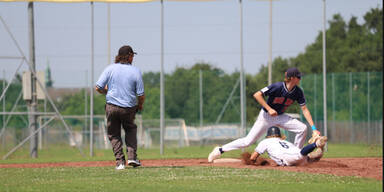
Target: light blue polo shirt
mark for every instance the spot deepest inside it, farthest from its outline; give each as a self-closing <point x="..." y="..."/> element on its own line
<point x="124" y="84"/>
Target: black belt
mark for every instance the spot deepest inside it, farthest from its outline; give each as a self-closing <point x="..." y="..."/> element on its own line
<point x="120" y="106"/>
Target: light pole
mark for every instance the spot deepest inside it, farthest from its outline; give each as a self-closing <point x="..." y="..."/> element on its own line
<point x="324" y="75"/>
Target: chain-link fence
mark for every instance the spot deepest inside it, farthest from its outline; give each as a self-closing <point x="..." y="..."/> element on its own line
<point x="177" y="133"/>
<point x="354" y="105"/>
<point x="354" y="112"/>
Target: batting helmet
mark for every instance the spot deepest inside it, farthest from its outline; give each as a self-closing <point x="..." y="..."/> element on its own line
<point x="273" y="131"/>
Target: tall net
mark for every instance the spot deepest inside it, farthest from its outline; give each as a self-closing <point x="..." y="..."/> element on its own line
<point x="354" y="105"/>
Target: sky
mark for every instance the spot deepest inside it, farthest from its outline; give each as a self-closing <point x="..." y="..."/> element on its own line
<point x="193" y="32"/>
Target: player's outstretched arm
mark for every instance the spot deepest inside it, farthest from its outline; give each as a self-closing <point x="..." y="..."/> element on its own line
<point x="253" y="159"/>
<point x="258" y="160"/>
<point x="308" y="117"/>
<point x="307" y="114"/>
<point x="254" y="156"/>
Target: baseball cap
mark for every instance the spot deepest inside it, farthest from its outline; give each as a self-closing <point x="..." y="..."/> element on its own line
<point x="293" y="72"/>
<point x="126" y="50"/>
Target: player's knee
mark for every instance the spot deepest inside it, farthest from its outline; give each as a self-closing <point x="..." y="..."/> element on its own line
<point x="303" y="129"/>
<point x="247" y="142"/>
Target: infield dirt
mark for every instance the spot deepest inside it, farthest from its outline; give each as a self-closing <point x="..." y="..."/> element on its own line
<point x="361" y="167"/>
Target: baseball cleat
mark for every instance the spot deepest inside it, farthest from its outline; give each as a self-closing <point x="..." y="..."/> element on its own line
<point x="320" y="141"/>
<point x="120" y="167"/>
<point x="134" y="163"/>
<point x="215" y="154"/>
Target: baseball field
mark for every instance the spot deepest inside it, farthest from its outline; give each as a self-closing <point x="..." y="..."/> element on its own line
<point x="344" y="167"/>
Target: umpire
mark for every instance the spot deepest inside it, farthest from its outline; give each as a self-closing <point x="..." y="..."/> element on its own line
<point x="123" y="86"/>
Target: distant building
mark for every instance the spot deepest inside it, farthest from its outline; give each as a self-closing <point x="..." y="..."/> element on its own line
<point x="48" y="78"/>
<point x="57" y="94"/>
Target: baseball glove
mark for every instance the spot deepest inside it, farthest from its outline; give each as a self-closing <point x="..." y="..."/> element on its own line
<point x="315" y="135"/>
<point x="246" y="159"/>
<point x="315" y="155"/>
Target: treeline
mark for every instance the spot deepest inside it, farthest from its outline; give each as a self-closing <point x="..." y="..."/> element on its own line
<point x="353" y="96"/>
<point x="351" y="47"/>
<point x="182" y="94"/>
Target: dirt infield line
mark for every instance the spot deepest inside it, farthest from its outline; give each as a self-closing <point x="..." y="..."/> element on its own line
<point x="361" y="167"/>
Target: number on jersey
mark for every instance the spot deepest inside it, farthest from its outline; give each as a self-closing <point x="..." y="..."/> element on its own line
<point x="283" y="144"/>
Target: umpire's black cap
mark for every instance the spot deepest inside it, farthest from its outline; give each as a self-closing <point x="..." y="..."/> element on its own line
<point x="126" y="50"/>
<point x="293" y="72"/>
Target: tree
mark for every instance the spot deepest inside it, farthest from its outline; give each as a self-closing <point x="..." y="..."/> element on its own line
<point x="351" y="47"/>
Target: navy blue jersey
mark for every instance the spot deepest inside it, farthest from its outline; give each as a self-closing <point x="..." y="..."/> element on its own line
<point x="279" y="98"/>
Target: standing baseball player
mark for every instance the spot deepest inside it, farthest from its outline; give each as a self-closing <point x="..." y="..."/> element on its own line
<point x="123" y="86"/>
<point x="284" y="153"/>
<point x="280" y="96"/>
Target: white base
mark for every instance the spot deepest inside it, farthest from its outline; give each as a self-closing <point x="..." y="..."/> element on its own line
<point x="227" y="160"/>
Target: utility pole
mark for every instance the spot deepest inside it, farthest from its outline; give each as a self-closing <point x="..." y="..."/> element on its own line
<point x="270" y="45"/>
<point x="91" y="85"/>
<point x="201" y="96"/>
<point x="162" y="111"/>
<point x="242" y="82"/>
<point x="109" y="33"/>
<point x="32" y="104"/>
<point x="324" y="74"/>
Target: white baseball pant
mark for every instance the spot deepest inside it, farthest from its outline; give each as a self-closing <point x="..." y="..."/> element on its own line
<point x="263" y="122"/>
<point x="292" y="159"/>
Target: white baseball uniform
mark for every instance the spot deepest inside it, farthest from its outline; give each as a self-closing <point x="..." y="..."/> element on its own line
<point x="283" y="152"/>
<point x="279" y="98"/>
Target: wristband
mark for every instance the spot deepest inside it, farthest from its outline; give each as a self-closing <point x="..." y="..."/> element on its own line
<point x="313" y="127"/>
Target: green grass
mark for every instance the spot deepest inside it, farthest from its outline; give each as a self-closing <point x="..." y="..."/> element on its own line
<point x="353" y="150"/>
<point x="171" y="179"/>
<point x="63" y="154"/>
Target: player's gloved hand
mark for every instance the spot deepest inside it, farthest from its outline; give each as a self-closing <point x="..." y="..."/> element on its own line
<point x="260" y="161"/>
<point x="246" y="159"/>
<point x="315" y="135"/>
